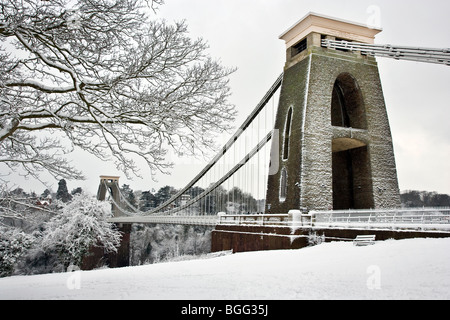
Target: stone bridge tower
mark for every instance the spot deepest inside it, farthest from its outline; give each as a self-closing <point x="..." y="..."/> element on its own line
<point x="97" y="257"/>
<point x="335" y="147"/>
<point x="110" y="184"/>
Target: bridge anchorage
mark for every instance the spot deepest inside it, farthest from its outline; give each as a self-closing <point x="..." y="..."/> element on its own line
<point x="330" y="168"/>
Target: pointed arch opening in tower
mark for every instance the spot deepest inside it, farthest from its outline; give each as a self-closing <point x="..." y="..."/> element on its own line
<point x="287" y="134"/>
<point x="347" y="103"/>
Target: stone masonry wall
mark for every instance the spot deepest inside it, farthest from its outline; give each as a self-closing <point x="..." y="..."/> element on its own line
<point x="309" y="84"/>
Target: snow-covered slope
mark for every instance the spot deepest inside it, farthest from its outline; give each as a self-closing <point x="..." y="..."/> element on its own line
<point x="403" y="269"/>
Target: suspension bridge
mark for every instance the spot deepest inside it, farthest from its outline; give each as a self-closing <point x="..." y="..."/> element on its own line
<point x="315" y="153"/>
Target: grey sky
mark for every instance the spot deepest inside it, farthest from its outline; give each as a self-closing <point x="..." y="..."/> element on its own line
<point x="244" y="34"/>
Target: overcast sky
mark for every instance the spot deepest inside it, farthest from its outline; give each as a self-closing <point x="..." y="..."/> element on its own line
<point x="244" y="34"/>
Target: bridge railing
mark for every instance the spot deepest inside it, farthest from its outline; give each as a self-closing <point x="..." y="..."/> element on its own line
<point x="255" y="219"/>
<point x="206" y="220"/>
<point x="291" y="219"/>
<point x="405" y="218"/>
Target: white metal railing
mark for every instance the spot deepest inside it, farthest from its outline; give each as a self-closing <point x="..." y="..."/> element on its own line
<point x="404" y="218"/>
<point x="187" y="220"/>
<point x="292" y="219"/>
<point x="255" y="219"/>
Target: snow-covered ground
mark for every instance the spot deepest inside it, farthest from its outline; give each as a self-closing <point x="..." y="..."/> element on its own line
<point x="393" y="269"/>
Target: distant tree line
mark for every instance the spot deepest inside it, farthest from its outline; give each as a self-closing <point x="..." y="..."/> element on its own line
<point x="414" y="198"/>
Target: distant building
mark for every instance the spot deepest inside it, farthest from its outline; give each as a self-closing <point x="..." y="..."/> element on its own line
<point x="185" y="198"/>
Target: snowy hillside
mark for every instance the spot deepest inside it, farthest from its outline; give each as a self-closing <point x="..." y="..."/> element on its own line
<point x="394" y="269"/>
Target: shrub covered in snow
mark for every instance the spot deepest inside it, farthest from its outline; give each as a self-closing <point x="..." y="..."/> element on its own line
<point x="80" y="224"/>
<point x="13" y="244"/>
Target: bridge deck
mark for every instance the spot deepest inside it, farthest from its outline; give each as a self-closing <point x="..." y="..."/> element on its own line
<point x="407" y="219"/>
<point x="187" y="220"/>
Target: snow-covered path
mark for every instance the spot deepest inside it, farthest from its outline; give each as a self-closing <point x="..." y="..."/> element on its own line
<point x="402" y="269"/>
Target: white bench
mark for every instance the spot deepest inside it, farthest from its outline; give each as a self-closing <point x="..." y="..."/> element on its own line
<point x="364" y="240"/>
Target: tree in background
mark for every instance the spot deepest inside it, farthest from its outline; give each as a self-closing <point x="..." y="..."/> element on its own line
<point x="164" y="194"/>
<point x="62" y="193"/>
<point x="128" y="193"/>
<point x="414" y="198"/>
<point x="76" y="191"/>
<point x="147" y="201"/>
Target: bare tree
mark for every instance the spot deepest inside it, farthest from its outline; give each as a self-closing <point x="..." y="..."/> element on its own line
<point x="104" y="77"/>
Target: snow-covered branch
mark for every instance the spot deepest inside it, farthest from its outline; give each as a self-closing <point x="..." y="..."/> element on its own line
<point x="39" y="86"/>
<point x="114" y="83"/>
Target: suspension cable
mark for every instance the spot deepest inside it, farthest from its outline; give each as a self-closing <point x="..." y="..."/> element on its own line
<point x="226" y="147"/>
<point x="230" y="173"/>
<point x="419" y="54"/>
